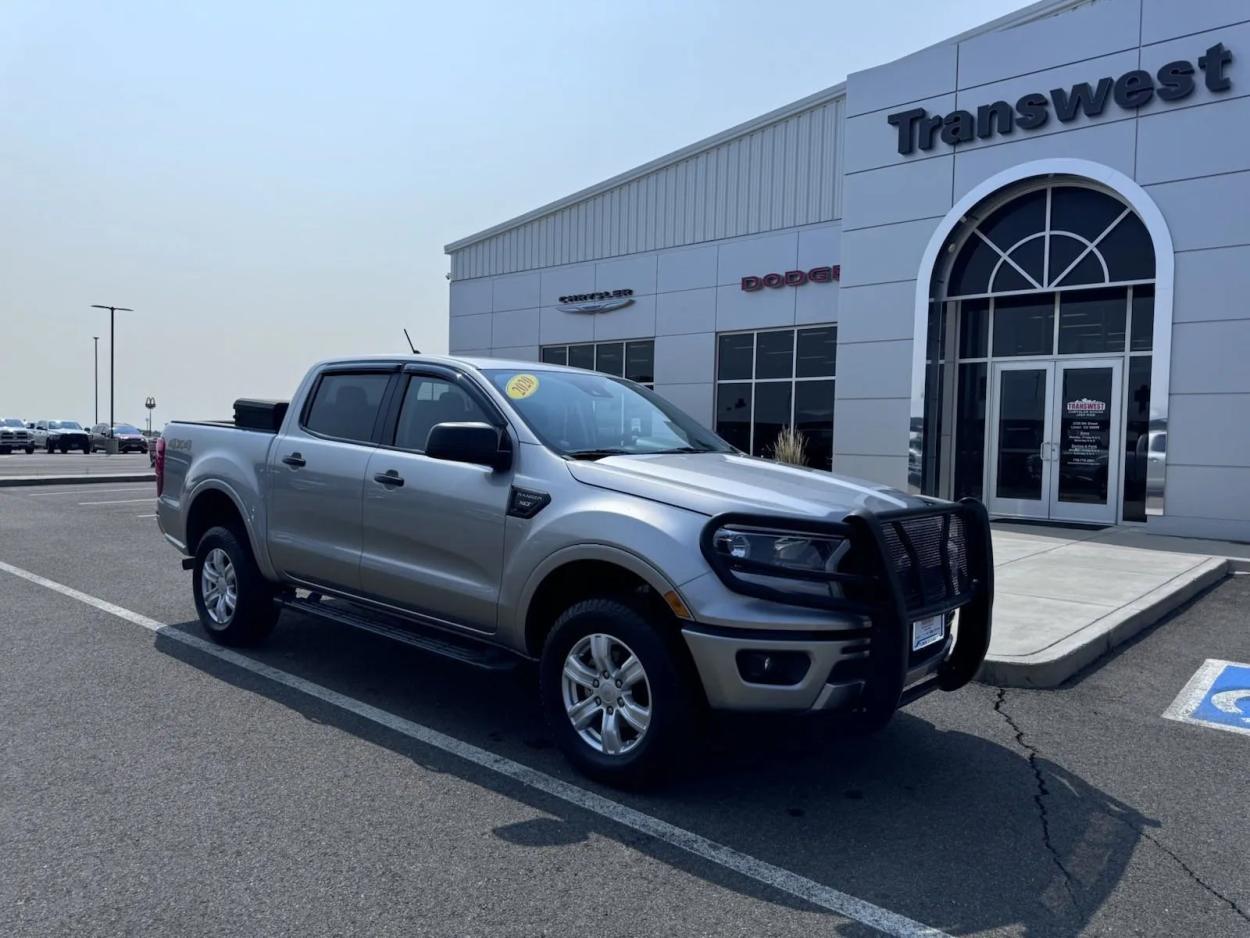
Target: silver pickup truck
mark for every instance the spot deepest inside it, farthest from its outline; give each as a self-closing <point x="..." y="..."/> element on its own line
<point x="496" y="511"/>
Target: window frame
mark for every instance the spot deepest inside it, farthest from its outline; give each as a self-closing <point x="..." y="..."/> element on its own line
<point x="793" y="380"/>
<point x="394" y="402"/>
<point x="594" y="347"/>
<point x="391" y="369"/>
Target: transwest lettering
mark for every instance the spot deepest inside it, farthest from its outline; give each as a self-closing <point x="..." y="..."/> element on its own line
<point x="918" y="129"/>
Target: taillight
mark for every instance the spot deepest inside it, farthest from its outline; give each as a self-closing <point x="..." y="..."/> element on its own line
<point x="160" y="465"/>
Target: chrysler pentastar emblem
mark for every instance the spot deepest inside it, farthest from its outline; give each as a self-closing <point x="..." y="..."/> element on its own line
<point x="596" y="306"/>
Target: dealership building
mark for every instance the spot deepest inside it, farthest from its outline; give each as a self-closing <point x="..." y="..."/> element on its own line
<point x="1014" y="265"/>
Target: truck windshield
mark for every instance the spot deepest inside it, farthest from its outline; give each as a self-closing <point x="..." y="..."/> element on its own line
<point x="65" y="424"/>
<point x="584" y="415"/>
<point x="13" y="422"/>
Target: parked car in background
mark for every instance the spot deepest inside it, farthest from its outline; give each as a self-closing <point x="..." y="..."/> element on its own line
<point x="14" y="435"/>
<point x="129" y="438"/>
<point x="152" y="438"/>
<point x="63" y="435"/>
<point x="494" y="511"/>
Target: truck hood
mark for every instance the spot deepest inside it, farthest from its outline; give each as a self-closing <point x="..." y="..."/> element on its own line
<point x="713" y="483"/>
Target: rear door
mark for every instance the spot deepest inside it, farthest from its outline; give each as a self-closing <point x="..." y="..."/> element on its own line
<point x="317" y="472"/>
<point x="434" y="529"/>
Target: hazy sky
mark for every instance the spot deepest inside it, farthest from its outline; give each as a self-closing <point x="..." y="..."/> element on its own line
<point x="268" y="183"/>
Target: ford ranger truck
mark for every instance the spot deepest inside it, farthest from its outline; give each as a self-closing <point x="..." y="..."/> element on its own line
<point x="497" y="511"/>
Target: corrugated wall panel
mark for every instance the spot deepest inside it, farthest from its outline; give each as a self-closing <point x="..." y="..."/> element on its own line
<point x="776" y="176"/>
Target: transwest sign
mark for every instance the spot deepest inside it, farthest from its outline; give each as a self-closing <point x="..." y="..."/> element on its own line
<point x="1173" y="82"/>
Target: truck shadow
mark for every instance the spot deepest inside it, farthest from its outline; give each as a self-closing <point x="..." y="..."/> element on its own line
<point x="957" y="828"/>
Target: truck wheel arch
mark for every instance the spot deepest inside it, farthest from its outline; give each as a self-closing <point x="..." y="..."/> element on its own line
<point x="578" y="573"/>
<point x="214" y="507"/>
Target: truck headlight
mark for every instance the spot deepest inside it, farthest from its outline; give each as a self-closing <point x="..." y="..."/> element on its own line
<point x="757" y="549"/>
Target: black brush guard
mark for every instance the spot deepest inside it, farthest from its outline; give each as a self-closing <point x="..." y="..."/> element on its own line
<point x="903" y="565"/>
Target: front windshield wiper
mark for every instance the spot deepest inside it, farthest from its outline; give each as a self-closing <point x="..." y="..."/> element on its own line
<point x="595" y="453"/>
<point x="601" y="453"/>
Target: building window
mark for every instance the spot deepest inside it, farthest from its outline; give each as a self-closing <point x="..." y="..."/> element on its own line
<point x="769" y="380"/>
<point x="634" y="359"/>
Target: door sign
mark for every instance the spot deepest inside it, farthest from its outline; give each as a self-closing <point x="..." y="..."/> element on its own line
<point x="1218" y="696"/>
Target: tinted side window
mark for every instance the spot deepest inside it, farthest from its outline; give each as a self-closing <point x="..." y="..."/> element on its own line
<point x="429" y="401"/>
<point x="345" y="406"/>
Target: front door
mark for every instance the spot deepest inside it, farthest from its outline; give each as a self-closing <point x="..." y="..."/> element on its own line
<point x="433" y="530"/>
<point x="1054" y="440"/>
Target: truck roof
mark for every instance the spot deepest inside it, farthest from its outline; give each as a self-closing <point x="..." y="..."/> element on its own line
<point x="474" y="362"/>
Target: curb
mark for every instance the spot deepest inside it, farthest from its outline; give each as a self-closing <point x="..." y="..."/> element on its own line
<point x="1054" y="665"/>
<point x="15" y="481"/>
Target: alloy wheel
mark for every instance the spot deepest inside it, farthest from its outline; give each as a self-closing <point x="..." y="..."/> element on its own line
<point x="606" y="694"/>
<point x="219" y="586"/>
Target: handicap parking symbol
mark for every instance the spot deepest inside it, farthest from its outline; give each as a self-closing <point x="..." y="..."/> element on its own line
<point x="1218" y="696"/>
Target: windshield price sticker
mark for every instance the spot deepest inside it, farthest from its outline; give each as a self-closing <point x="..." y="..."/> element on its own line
<point x="519" y="387"/>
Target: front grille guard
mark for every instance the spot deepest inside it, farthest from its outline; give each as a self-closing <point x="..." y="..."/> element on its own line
<point x="873" y="586"/>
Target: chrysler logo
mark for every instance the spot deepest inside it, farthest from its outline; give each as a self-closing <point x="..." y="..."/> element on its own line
<point x="601" y="302"/>
<point x="595" y="306"/>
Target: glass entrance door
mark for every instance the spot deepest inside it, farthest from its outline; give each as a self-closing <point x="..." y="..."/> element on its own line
<point x="1085" y="482"/>
<point x="1054" y="440"/>
<point x="1019" y="431"/>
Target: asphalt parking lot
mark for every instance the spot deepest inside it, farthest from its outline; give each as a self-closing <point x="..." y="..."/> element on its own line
<point x="152" y="786"/>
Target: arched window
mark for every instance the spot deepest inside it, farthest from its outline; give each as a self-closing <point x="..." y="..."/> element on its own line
<point x="1059" y="236"/>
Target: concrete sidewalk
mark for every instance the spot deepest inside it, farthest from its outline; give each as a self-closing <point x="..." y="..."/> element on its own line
<point x="42" y="468"/>
<point x="1064" y="597"/>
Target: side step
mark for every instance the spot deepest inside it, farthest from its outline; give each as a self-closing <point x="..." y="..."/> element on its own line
<point x="466" y="650"/>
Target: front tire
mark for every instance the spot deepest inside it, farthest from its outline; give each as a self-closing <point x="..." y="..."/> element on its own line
<point x="619" y="704"/>
<point x="233" y="598"/>
<point x="30" y="451"/>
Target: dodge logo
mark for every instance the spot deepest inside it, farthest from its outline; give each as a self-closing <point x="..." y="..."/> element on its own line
<point x="793" y="278"/>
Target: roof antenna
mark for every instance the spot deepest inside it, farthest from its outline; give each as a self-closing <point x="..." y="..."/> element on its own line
<point x="415" y="351"/>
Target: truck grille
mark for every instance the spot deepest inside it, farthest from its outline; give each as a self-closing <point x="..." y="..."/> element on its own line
<point x="929" y="554"/>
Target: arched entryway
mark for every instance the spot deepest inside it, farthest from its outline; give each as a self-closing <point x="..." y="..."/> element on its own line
<point x="1039" y="356"/>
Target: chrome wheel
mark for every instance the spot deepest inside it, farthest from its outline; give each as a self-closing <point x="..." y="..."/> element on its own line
<point x="219" y="586"/>
<point x="606" y="694"/>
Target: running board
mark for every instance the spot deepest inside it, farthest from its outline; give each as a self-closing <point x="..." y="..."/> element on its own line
<point x="466" y="650"/>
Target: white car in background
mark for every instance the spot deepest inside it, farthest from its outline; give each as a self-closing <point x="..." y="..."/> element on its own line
<point x="14" y="435"/>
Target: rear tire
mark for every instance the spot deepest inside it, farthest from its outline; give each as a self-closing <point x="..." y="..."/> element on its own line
<point x="663" y="699"/>
<point x="233" y="598"/>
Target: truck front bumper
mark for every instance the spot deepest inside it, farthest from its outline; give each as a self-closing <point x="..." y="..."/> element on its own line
<point x="834" y="677"/>
<point x="854" y="650"/>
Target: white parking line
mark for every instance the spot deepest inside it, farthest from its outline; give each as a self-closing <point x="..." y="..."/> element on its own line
<point x="743" y="864"/>
<point x="145" y="516"/>
<point x="122" y="501"/>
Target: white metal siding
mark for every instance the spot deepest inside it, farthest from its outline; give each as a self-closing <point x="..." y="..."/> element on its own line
<point x="777" y="176"/>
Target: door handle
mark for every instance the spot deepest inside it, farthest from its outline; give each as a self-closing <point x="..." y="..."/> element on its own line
<point x="295" y="459"/>
<point x="390" y="477"/>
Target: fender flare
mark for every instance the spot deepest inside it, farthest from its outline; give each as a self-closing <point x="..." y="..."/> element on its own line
<point x="588" y="551"/>
<point x="216" y="485"/>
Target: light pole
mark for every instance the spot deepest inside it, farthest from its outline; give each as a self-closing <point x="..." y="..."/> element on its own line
<point x="113" y="311"/>
<point x="96" y="340"/>
<point x="150" y="404"/>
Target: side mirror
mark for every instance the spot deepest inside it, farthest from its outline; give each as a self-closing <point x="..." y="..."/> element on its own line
<point x="478" y="443"/>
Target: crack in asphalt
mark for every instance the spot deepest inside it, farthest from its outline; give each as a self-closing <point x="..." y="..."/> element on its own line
<point x="1043" y="816"/>
<point x="1039" y="797"/>
<point x="1189" y="871"/>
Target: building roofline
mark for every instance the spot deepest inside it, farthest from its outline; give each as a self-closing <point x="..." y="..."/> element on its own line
<point x="755" y="123"/>
<point x="1033" y="11"/>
